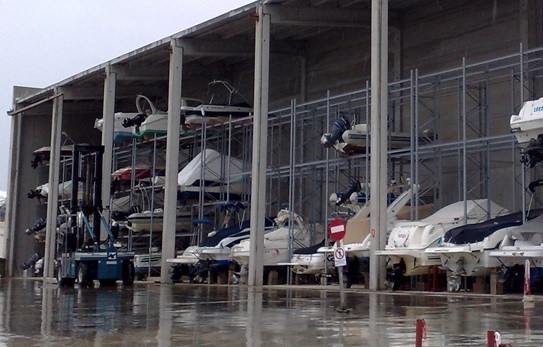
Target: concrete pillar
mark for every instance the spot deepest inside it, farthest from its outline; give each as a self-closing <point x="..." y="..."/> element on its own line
<point x="260" y="135"/>
<point x="172" y="159"/>
<point x="13" y="179"/>
<point x="108" y="115"/>
<point x="52" y="199"/>
<point x="378" y="138"/>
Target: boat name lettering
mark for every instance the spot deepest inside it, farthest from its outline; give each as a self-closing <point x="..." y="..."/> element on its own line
<point x="538" y="108"/>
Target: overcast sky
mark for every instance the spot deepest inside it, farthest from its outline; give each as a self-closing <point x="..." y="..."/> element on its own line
<point x="46" y="41"/>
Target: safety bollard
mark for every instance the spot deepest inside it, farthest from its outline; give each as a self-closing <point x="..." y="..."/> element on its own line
<point x="421" y="332"/>
<point x="490" y="339"/>
<point x="494" y="339"/>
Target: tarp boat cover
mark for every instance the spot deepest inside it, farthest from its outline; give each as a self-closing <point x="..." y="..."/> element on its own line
<point x="472" y="233"/>
<point x="219" y="169"/>
<point x="310" y="249"/>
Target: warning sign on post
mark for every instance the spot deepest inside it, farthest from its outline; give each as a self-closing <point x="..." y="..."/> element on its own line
<point x="339" y="257"/>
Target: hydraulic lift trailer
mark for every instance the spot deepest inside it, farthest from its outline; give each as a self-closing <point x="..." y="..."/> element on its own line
<point x="86" y="262"/>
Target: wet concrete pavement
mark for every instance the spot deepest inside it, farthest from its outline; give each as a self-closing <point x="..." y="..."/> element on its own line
<point x="38" y="314"/>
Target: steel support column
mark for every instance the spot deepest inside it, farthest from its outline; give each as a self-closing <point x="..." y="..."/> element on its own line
<point x="378" y="138"/>
<point x="172" y="158"/>
<point x="52" y="199"/>
<point x="260" y="144"/>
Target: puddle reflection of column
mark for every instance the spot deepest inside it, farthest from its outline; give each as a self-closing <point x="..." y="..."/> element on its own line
<point x="164" y="334"/>
<point x="373" y="336"/>
<point x="5" y="307"/>
<point x="254" y="317"/>
<point x="46" y="309"/>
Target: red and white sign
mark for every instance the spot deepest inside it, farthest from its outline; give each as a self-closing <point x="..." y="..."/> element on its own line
<point x="339" y="257"/>
<point x="337" y="229"/>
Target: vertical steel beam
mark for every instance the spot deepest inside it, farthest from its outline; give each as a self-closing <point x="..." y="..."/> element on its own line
<point x="107" y="133"/>
<point x="260" y="136"/>
<point x="172" y="158"/>
<point x="378" y="134"/>
<point x="52" y="199"/>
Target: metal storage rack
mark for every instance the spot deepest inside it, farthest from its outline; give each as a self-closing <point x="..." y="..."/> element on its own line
<point x="454" y="111"/>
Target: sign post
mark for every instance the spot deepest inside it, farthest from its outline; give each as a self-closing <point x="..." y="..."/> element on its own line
<point x="336" y="230"/>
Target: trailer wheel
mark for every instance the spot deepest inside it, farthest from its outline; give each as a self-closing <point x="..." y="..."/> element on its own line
<point x="82" y="275"/>
<point x="63" y="281"/>
<point x="128" y="273"/>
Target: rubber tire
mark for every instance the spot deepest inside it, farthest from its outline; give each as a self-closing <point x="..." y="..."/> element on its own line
<point x="128" y="273"/>
<point x="82" y="275"/>
<point x="63" y="282"/>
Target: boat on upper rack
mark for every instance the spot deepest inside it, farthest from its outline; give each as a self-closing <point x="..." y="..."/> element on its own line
<point x="291" y="233"/>
<point x="41" y="192"/>
<point x="151" y="121"/>
<point x="465" y="250"/>
<point x="350" y="139"/>
<point x="216" y="112"/>
<point x="42" y="155"/>
<point x="408" y="241"/>
<point x="120" y="133"/>
<point x="222" y="177"/>
<point x="528" y="129"/>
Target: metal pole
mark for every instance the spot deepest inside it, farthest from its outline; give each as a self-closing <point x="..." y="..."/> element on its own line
<point x="172" y="159"/>
<point x="292" y="180"/>
<point x="327" y="189"/>
<point x="464" y="144"/>
<point x="378" y="133"/>
<point x="260" y="144"/>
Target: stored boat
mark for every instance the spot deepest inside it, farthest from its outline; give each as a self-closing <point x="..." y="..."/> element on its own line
<point x="212" y="254"/>
<point x="521" y="243"/>
<point x="292" y="232"/>
<point x="42" y="192"/>
<point x="528" y="124"/>
<point x="357" y="238"/>
<point x="120" y="133"/>
<point x="351" y="139"/>
<point x="408" y="241"/>
<point x="153" y="221"/>
<point x="233" y="223"/>
<point x="466" y="249"/>
<point x="528" y="129"/>
<point x="42" y="155"/>
<point x="215" y="112"/>
<point x="212" y="174"/>
<point x="151" y="120"/>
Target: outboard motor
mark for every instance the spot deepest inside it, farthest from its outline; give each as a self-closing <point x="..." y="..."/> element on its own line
<point x="340" y="126"/>
<point x="38" y="225"/>
<point x="533" y="153"/>
<point x="353" y="188"/>
<point x="31" y="261"/>
<point x="135" y="122"/>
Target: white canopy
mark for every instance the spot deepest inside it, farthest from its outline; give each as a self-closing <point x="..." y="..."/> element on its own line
<point x="217" y="167"/>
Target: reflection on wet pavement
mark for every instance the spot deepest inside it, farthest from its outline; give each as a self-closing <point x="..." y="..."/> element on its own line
<point x="38" y="314"/>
